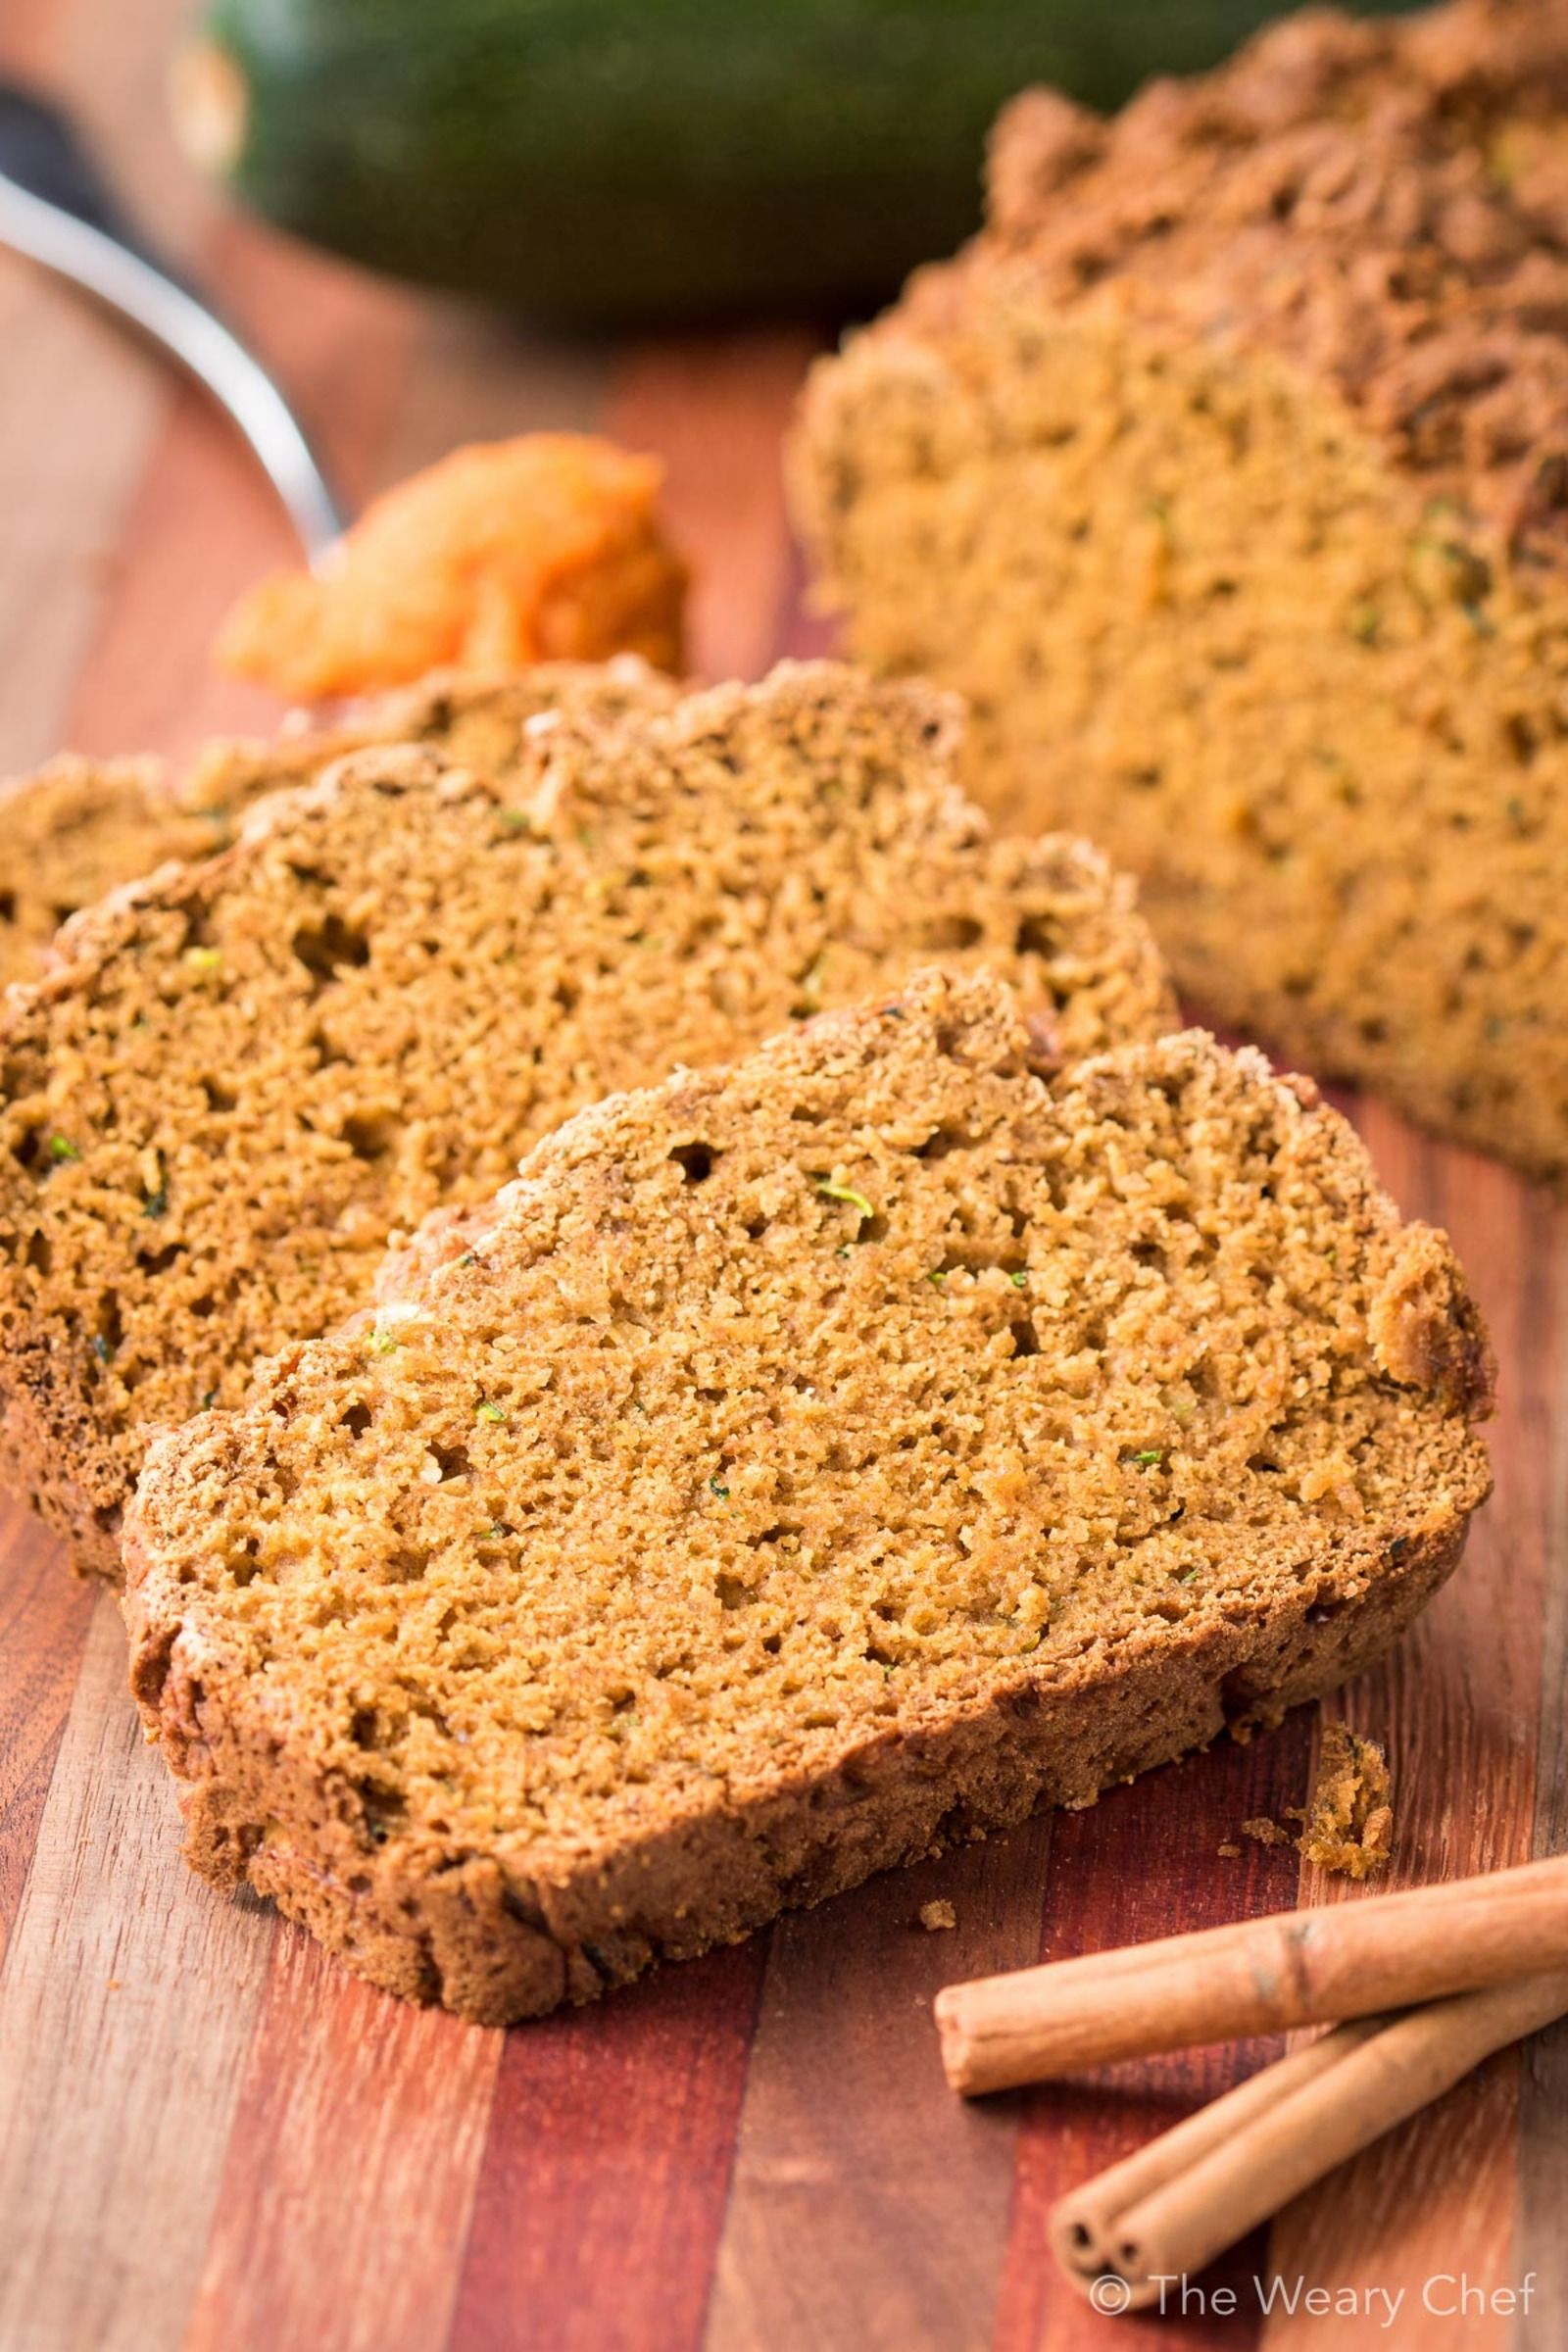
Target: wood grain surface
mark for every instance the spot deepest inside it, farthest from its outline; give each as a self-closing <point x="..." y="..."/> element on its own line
<point x="212" y="2138"/>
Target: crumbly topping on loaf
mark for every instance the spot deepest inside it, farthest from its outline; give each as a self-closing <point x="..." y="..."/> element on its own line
<point x="1384" y="201"/>
<point x="778" y="1414"/>
<point x="245" y="1075"/>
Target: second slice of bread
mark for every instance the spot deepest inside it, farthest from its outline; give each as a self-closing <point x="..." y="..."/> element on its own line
<point x="243" y="1076"/>
<point x="802" y="1465"/>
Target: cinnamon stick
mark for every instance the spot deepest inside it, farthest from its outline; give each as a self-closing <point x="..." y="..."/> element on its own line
<point x="1166" y="2212"/>
<point x="1084" y="2235"/>
<point x="1298" y="1968"/>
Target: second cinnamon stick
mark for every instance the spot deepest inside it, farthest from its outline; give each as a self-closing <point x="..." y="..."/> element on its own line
<point x="1298" y="1968"/>
<point x="1167" y="2211"/>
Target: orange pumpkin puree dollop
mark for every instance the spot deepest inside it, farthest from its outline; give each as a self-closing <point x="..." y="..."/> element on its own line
<point x="545" y="548"/>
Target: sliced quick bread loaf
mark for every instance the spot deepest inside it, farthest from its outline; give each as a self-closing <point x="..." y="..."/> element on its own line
<point x="245" y="1075"/>
<point x="1227" y="472"/>
<point x="803" y="1464"/>
<point x="78" y="828"/>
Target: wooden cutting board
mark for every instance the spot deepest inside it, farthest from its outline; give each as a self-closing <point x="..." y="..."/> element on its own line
<point x="209" y="2137"/>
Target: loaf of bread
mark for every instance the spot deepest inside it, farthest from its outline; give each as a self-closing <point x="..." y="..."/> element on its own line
<point x="1227" y="473"/>
<point x="78" y="828"/>
<point x="803" y="1465"/>
<point x="241" y="1077"/>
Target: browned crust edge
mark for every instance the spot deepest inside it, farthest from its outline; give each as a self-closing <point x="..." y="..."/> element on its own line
<point x="453" y="1929"/>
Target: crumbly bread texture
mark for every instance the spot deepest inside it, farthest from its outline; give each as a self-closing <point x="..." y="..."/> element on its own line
<point x="78" y="828"/>
<point x="74" y="830"/>
<point x="244" y="1076"/>
<point x="1227" y="473"/>
<point x="805" y="1466"/>
<point x="1349" y="1826"/>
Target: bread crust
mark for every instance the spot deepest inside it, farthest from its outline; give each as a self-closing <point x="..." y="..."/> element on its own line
<point x="457" y="1933"/>
<point x="1333" y="195"/>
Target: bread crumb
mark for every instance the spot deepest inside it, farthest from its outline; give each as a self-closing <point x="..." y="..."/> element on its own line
<point x="936" y="1915"/>
<point x="1349" y="1823"/>
<point x="1230" y="1849"/>
<point x="1266" y="1832"/>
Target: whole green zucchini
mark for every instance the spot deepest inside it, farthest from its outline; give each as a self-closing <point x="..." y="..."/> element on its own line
<point x="602" y="161"/>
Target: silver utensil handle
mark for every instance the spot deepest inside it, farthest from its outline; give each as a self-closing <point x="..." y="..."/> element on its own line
<point x="140" y="292"/>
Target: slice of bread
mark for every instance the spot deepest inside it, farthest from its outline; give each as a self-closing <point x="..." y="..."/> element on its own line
<point x="78" y="828"/>
<point x="244" y="1076"/>
<point x="803" y="1465"/>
